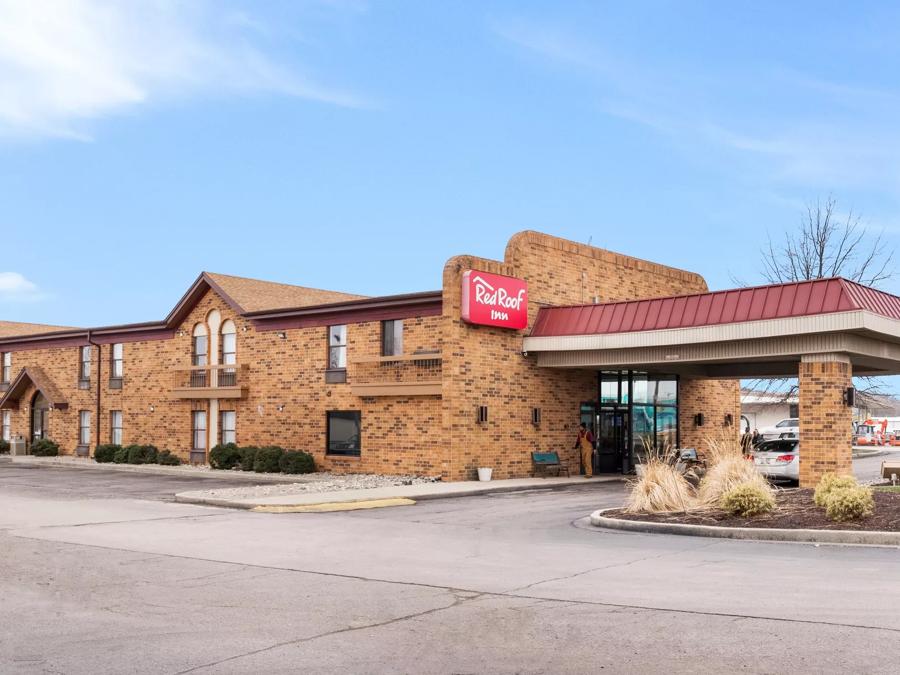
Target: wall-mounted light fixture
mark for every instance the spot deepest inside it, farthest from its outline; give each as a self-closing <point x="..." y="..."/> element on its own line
<point x="180" y="333"/>
<point x="482" y="414"/>
<point x="729" y="419"/>
<point x="152" y="409"/>
<point x="850" y="397"/>
<point x="536" y="416"/>
<point x="280" y="408"/>
<point x="698" y="420"/>
<point x="282" y="335"/>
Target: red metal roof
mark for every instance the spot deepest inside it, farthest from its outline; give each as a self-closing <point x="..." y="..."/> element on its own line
<point x="776" y="301"/>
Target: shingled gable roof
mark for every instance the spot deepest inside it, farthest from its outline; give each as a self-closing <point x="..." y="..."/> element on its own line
<point x="32" y="375"/>
<point x="17" y="328"/>
<point x="774" y="301"/>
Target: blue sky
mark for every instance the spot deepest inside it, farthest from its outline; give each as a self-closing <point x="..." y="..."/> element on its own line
<point x="357" y="145"/>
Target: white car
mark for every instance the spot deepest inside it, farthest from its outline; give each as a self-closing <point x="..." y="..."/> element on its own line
<point x="778" y="459"/>
<point x="787" y="428"/>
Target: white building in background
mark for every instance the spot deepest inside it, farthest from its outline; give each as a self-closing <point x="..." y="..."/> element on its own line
<point x="760" y="409"/>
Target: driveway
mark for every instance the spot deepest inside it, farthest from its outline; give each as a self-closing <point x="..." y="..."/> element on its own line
<point x="513" y="582"/>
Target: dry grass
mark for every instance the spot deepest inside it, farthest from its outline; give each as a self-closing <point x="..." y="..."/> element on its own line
<point x="727" y="469"/>
<point x="661" y="488"/>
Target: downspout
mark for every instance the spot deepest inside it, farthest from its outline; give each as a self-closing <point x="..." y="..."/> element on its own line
<point x="99" y="389"/>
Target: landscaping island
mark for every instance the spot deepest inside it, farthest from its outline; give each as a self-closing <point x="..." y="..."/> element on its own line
<point x="794" y="509"/>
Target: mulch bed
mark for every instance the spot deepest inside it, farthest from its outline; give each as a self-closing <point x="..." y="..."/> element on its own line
<point x="794" y="510"/>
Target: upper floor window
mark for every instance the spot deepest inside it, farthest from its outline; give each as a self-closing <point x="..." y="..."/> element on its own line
<point x="117" y="365"/>
<point x="392" y="337"/>
<point x="84" y="364"/>
<point x="200" y="346"/>
<point x="6" y="367"/>
<point x="337" y="347"/>
<point x="229" y="343"/>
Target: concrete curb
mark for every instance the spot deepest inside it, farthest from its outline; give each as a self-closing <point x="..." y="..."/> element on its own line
<point x="862" y="454"/>
<point x="853" y="537"/>
<point x="335" y="497"/>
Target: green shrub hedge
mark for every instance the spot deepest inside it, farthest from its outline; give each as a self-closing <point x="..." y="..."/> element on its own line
<point x="120" y="456"/>
<point x="142" y="454"/>
<point x="248" y="457"/>
<point x="44" y="448"/>
<point x="747" y="499"/>
<point x="225" y="456"/>
<point x="166" y="458"/>
<point x="105" y="453"/>
<point x="268" y="459"/>
<point x="297" y="461"/>
<point x="4" y="447"/>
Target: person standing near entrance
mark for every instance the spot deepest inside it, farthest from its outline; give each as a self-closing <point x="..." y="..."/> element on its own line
<point x="585" y="443"/>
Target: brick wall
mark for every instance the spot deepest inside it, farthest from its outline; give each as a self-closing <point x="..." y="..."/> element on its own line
<point x="825" y="421"/>
<point x="715" y="399"/>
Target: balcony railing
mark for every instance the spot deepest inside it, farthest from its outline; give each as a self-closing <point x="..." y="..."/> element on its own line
<point x="408" y="375"/>
<point x="219" y="381"/>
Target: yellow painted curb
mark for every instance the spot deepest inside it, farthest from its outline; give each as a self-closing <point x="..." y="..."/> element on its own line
<point x="335" y="506"/>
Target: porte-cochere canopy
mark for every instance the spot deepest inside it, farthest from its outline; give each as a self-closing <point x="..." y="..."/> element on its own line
<point x="748" y="332"/>
<point x="41" y="381"/>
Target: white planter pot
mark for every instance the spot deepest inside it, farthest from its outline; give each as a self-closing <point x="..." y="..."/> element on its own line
<point x="484" y="474"/>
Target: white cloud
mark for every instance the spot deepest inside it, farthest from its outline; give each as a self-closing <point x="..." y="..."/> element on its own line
<point x="63" y="62"/>
<point x="16" y="288"/>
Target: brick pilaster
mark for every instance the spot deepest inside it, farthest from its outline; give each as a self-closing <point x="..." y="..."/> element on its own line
<point x="825" y="421"/>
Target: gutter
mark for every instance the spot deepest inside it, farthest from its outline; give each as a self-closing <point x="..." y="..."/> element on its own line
<point x="99" y="389"/>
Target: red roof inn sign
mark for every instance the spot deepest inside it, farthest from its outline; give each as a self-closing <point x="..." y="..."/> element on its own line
<point x="494" y="300"/>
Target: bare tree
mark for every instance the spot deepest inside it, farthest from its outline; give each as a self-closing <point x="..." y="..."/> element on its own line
<point x="826" y="244"/>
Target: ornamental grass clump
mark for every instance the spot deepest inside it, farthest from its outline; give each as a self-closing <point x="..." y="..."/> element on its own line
<point x="728" y="469"/>
<point x="660" y="487"/>
<point x="830" y="482"/>
<point x="849" y="503"/>
<point x="747" y="499"/>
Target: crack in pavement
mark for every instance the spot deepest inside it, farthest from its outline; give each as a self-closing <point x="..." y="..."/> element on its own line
<point x="498" y="594"/>
<point x="459" y="598"/>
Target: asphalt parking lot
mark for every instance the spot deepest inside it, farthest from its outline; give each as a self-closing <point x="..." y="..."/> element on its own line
<point x="104" y="575"/>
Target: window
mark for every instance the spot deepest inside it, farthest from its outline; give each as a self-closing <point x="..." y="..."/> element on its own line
<point x="200" y="346"/>
<point x="228" y="347"/>
<point x="115" y="427"/>
<point x="228" y="420"/>
<point x="5" y="426"/>
<point x="198" y="429"/>
<point x="84" y="367"/>
<point x="794" y="410"/>
<point x="337" y="347"/>
<point x="117" y="365"/>
<point x="344" y="432"/>
<point x="6" y="368"/>
<point x="392" y="337"/>
<point x="84" y="427"/>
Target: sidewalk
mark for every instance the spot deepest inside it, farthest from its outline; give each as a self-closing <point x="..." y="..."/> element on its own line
<point x="384" y="496"/>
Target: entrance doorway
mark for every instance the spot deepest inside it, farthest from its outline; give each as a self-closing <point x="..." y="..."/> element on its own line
<point x="612" y="440"/>
<point x="40" y="413"/>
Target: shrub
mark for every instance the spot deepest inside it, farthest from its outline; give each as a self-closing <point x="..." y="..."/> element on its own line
<point x="225" y="456"/>
<point x="105" y="453"/>
<point x="142" y="454"/>
<point x="248" y="457"/>
<point x="268" y="459"/>
<point x="726" y="474"/>
<point x="849" y="503"/>
<point x="44" y="448"/>
<point x="4" y="447"/>
<point x="660" y="488"/>
<point x="747" y="499"/>
<point x="166" y="458"/>
<point x="297" y="461"/>
<point x="120" y="456"/>
<point x="828" y="483"/>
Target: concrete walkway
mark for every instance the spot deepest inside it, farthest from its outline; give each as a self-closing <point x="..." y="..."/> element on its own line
<point x="302" y="502"/>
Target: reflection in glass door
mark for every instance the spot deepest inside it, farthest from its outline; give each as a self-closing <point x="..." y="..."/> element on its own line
<point x="612" y="440"/>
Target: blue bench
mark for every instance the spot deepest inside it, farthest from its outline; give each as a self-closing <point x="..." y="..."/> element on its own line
<point x="547" y="460"/>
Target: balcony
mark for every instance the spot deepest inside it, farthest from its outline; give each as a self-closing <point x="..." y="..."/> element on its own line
<point x="221" y="381"/>
<point x="411" y="375"/>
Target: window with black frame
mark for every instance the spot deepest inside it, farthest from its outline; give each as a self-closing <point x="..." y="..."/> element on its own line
<point x="343" y="432"/>
<point x="392" y="337"/>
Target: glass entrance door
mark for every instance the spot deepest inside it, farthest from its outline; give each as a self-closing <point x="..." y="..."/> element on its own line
<point x="39" y="411"/>
<point x="612" y="440"/>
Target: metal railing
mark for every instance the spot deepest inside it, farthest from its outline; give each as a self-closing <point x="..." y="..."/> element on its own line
<point x="407" y="369"/>
<point x="211" y="377"/>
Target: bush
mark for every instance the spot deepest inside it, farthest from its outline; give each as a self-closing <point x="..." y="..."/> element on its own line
<point x="297" y="461"/>
<point x="105" y="453"/>
<point x="747" y="499"/>
<point x="166" y="458"/>
<point x="225" y="456"/>
<point x="44" y="448"/>
<point x="268" y="460"/>
<point x="726" y="474"/>
<point x="660" y="488"/>
<point x="849" y="503"/>
<point x="4" y="447"/>
<point x="248" y="457"/>
<point x="142" y="454"/>
<point x="120" y="456"/>
<point x="828" y="483"/>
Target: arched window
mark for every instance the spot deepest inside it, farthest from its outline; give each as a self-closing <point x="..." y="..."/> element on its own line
<point x="228" y="352"/>
<point x="200" y="346"/>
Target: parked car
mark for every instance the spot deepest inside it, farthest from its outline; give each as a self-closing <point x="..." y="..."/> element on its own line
<point x="786" y="428"/>
<point x="779" y="460"/>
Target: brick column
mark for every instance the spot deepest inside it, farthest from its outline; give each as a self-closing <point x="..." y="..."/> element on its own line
<point x="825" y="421"/>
